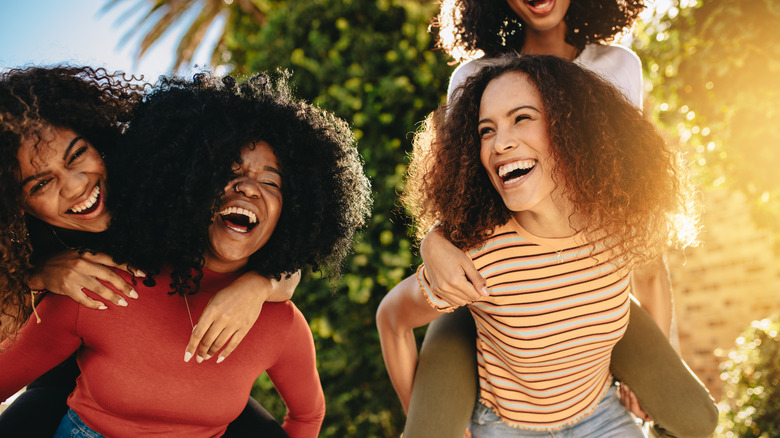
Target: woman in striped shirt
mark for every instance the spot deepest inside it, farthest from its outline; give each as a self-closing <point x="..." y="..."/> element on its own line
<point x="556" y="187"/>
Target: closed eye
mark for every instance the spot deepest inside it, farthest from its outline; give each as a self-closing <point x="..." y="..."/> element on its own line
<point x="79" y="152"/>
<point x="522" y="117"/>
<point x="485" y="131"/>
<point x="40" y="185"/>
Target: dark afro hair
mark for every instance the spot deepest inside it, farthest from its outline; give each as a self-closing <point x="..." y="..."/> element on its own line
<point x="177" y="157"/>
<point x="92" y="102"/>
<point x="467" y="26"/>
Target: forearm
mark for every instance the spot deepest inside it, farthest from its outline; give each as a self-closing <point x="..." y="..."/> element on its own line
<point x="402" y="310"/>
<point x="271" y="290"/>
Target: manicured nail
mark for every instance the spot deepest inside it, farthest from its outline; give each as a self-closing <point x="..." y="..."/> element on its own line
<point x="198" y="359"/>
<point x="140" y="273"/>
<point x="102" y="307"/>
<point x="187" y="356"/>
<point x="485" y="291"/>
<point x="220" y="359"/>
<point x="133" y="294"/>
<point x="122" y="302"/>
<point x="207" y="357"/>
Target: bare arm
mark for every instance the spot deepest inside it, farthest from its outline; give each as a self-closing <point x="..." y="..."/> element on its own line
<point x="452" y="274"/>
<point x="653" y="288"/>
<point x="401" y="311"/>
<point x="233" y="311"/>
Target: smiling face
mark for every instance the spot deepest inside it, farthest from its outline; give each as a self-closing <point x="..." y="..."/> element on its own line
<point x="515" y="147"/>
<point x="249" y="211"/>
<point x="540" y="15"/>
<point x="63" y="181"/>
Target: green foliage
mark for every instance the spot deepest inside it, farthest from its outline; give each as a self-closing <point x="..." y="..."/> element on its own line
<point x="713" y="67"/>
<point x="371" y="63"/>
<point x="751" y="384"/>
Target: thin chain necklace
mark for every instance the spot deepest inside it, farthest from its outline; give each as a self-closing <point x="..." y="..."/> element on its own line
<point x="186" y="303"/>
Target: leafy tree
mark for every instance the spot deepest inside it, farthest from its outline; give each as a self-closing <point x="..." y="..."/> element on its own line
<point x="751" y="384"/>
<point x="713" y="67"/>
<point x="371" y="63"/>
<point x="161" y="15"/>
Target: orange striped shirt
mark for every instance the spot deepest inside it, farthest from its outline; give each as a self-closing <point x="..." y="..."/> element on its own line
<point x="546" y="332"/>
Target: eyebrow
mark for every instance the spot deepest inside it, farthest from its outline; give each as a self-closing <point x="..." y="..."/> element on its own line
<point x="514" y="110"/>
<point x="272" y="169"/>
<point x="64" y="157"/>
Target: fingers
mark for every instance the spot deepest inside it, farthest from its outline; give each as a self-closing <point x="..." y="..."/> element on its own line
<point x="198" y="332"/>
<point x="477" y="281"/>
<point x="107" y="260"/>
<point x="82" y="298"/>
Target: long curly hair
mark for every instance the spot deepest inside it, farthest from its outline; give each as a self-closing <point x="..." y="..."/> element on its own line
<point x="491" y="26"/>
<point x="177" y="156"/>
<point x="92" y="102"/>
<point x="612" y="165"/>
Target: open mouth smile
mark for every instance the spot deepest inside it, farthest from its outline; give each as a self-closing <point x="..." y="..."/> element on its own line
<point x="540" y="6"/>
<point x="238" y="219"/>
<point x="89" y="205"/>
<point x="516" y="170"/>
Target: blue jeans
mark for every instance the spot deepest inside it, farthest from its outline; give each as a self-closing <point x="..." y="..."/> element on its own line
<point x="610" y="419"/>
<point x="71" y="426"/>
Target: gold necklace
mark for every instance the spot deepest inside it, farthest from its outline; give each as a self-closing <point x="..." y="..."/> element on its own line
<point x="186" y="303"/>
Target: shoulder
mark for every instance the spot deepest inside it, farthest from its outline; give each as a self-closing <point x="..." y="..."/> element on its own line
<point x="464" y="71"/>
<point x="616" y="64"/>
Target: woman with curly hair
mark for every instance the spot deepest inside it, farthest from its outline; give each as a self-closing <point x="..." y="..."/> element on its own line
<point x="478" y="32"/>
<point x="212" y="179"/>
<point x="56" y="125"/>
<point x="556" y="188"/>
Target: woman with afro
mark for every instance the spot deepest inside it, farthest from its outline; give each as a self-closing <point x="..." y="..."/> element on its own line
<point x="212" y="178"/>
<point x="554" y="185"/>
<point x="56" y="126"/>
<point x="476" y="33"/>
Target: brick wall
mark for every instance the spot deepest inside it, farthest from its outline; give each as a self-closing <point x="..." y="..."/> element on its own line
<point x="720" y="287"/>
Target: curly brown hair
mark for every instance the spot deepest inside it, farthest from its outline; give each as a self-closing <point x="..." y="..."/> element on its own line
<point x="468" y="26"/>
<point x="613" y="166"/>
<point x="91" y="102"/>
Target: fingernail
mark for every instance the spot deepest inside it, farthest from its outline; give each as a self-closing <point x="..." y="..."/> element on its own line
<point x="485" y="291"/>
<point x="187" y="356"/>
<point x="133" y="294"/>
<point x="220" y="359"/>
<point x="198" y="359"/>
<point x="207" y="357"/>
<point x="122" y="302"/>
<point x="140" y="273"/>
<point x="102" y="307"/>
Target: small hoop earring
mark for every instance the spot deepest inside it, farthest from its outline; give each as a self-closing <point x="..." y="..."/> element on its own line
<point x="235" y="187"/>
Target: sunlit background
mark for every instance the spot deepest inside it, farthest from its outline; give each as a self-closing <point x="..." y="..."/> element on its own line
<point x="711" y="82"/>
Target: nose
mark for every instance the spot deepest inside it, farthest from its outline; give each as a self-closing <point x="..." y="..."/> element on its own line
<point x="504" y="141"/>
<point x="74" y="184"/>
<point x="247" y="187"/>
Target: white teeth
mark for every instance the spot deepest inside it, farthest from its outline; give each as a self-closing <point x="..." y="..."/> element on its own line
<point x="242" y="211"/>
<point x="523" y="164"/>
<point x="89" y="202"/>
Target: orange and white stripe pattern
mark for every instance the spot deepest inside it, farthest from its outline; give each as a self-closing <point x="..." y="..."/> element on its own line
<point x="546" y="332"/>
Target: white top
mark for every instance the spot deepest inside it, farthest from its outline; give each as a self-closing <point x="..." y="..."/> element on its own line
<point x="615" y="64"/>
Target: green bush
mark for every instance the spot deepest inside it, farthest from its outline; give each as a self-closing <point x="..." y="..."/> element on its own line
<point x="373" y="64"/>
<point x="751" y="384"/>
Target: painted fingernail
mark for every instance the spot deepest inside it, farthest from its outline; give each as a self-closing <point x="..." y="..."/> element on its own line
<point x="102" y="307"/>
<point x="485" y="291"/>
<point x="122" y="302"/>
<point x="187" y="356"/>
<point x="207" y="357"/>
<point x="133" y="294"/>
<point x="198" y="359"/>
<point x="140" y="273"/>
<point x="220" y="359"/>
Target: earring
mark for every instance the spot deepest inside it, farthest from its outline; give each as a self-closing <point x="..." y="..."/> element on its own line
<point x="19" y="234"/>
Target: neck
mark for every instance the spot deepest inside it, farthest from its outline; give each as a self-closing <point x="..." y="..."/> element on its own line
<point x="549" y="42"/>
<point x="551" y="220"/>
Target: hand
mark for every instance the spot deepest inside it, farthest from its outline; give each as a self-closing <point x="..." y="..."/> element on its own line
<point x="467" y="434"/>
<point x="227" y="318"/>
<point x="452" y="275"/>
<point x="631" y="403"/>
<point x="70" y="273"/>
